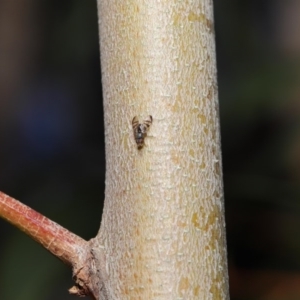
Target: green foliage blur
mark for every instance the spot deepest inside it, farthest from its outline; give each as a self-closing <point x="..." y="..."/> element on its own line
<point x="52" y="140"/>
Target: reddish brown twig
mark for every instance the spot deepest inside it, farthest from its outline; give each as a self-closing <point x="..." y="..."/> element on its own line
<point x="58" y="240"/>
<point x="65" y="245"/>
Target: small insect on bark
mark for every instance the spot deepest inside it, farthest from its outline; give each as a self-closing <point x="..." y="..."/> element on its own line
<point x="140" y="130"/>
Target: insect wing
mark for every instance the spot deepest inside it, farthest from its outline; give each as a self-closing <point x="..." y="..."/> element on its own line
<point x="148" y="122"/>
<point x="135" y="122"/>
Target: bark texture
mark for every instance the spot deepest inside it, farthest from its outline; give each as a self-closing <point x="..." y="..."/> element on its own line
<point x="163" y="230"/>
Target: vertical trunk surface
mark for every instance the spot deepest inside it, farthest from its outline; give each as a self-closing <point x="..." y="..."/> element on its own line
<point x="163" y="228"/>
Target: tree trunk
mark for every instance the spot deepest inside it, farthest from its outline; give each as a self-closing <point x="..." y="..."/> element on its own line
<point x="163" y="229"/>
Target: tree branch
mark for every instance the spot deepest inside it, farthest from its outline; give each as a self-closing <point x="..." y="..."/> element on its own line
<point x="65" y="245"/>
<point x="58" y="240"/>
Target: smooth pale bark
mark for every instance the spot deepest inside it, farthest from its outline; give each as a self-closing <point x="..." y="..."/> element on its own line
<point x="163" y="229"/>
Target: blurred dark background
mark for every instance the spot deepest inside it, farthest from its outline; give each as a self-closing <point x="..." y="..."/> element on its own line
<point x="52" y="141"/>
